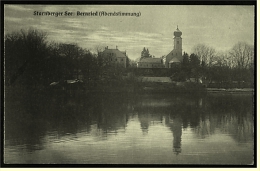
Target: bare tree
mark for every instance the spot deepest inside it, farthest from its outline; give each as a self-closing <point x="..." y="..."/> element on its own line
<point x="221" y="59"/>
<point x="101" y="60"/>
<point x="205" y="53"/>
<point x="242" y="55"/>
<point x="98" y="49"/>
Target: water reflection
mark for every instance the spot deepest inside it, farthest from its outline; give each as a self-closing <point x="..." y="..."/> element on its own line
<point x="174" y="122"/>
<point x="93" y="121"/>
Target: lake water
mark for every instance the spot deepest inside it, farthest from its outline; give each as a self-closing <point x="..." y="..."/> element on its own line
<point x="129" y="129"/>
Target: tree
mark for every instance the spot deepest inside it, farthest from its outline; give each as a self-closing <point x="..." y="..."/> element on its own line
<point x="194" y="61"/>
<point x="101" y="60"/>
<point x="242" y="55"/>
<point x="64" y="60"/>
<point x="185" y="61"/>
<point x="128" y="62"/>
<point x="185" y="67"/>
<point x="145" y="54"/>
<point x="242" y="63"/>
<point x="205" y="53"/>
<point x="195" y="66"/>
<point x="25" y="54"/>
<point x="89" y="67"/>
<point x="68" y="50"/>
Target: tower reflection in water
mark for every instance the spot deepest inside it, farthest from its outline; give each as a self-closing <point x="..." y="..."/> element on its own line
<point x="174" y="122"/>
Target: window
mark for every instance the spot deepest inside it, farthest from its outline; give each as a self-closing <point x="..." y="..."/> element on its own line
<point x="177" y="42"/>
<point x="116" y="59"/>
<point x="122" y="59"/>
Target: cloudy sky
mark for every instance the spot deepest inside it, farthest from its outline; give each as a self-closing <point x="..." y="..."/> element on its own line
<point x="217" y="26"/>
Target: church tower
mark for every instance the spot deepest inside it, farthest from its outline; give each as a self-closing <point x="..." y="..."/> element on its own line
<point x="177" y="41"/>
<point x="174" y="58"/>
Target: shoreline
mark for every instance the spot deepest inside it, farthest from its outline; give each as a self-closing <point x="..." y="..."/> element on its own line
<point x="139" y="89"/>
<point x="231" y="91"/>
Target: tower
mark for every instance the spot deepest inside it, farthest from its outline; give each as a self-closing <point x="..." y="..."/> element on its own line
<point x="174" y="58"/>
<point x="177" y="41"/>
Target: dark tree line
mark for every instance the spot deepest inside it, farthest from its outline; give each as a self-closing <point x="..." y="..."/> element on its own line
<point x="32" y="61"/>
<point x="189" y="68"/>
<point x="217" y="73"/>
<point x="25" y="54"/>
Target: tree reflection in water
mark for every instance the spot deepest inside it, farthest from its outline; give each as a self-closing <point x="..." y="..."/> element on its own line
<point x="30" y="118"/>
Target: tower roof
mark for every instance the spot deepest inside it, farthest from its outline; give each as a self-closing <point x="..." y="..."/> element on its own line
<point x="177" y="33"/>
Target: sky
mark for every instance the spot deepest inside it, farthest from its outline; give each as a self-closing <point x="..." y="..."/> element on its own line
<point x="219" y="27"/>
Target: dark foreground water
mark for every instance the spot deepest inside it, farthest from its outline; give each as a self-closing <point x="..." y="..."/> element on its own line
<point x="129" y="129"/>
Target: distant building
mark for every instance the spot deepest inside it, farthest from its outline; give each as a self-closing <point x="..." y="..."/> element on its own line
<point x="114" y="56"/>
<point x="175" y="56"/>
<point x="150" y="63"/>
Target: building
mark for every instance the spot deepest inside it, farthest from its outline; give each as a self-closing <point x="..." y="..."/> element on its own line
<point x="114" y="56"/>
<point x="150" y="63"/>
<point x="175" y="56"/>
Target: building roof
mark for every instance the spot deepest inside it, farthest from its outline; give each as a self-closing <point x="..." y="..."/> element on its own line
<point x="151" y="60"/>
<point x="115" y="52"/>
<point x="174" y="60"/>
<point x="172" y="55"/>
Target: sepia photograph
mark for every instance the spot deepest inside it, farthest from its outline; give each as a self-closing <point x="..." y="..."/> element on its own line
<point x="130" y="84"/>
